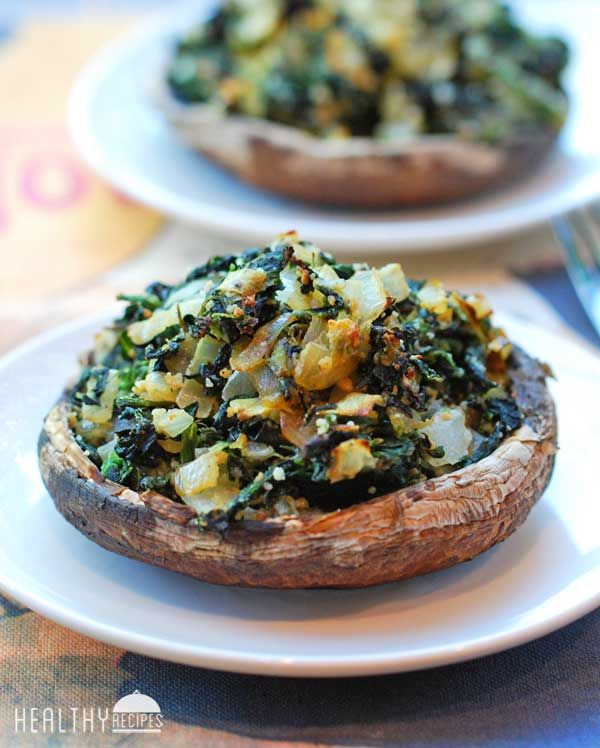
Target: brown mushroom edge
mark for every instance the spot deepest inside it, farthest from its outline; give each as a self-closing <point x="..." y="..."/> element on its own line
<point x="359" y="171"/>
<point x="419" y="529"/>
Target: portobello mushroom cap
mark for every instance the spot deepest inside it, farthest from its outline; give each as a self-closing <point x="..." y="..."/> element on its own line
<point x="357" y="171"/>
<point x="422" y="528"/>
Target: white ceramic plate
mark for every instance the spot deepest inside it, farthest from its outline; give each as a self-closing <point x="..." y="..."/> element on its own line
<point x="541" y="578"/>
<point x="123" y="137"/>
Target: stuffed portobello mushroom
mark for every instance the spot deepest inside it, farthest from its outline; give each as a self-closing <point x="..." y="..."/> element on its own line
<point x="280" y="419"/>
<point x="376" y="104"/>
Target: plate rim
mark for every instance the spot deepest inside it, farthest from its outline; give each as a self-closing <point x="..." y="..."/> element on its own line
<point x="269" y="664"/>
<point x="296" y="667"/>
<point x="445" y="233"/>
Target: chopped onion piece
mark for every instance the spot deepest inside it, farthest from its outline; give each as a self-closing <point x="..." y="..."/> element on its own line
<point x="253" y="407"/>
<point x="447" y="429"/>
<point x="204" y="484"/>
<point x="480" y="305"/>
<point x="258" y="451"/>
<point x="180" y="360"/>
<point x="394" y="281"/>
<point x="253" y="23"/>
<point x="260" y="346"/>
<point x="365" y="295"/>
<point x="348" y="459"/>
<point x="193" y="289"/>
<point x="104" y="342"/>
<point x="206" y="352"/>
<point x="244" y="282"/>
<point x="145" y="330"/>
<point x="329" y="277"/>
<point x="295" y="430"/>
<point x="172" y="446"/>
<point x="206" y="405"/>
<point x="308" y="253"/>
<point x="291" y="294"/>
<point x="159" y="387"/>
<point x="434" y="298"/>
<point x="332" y="356"/>
<point x="316" y="328"/>
<point x="102" y="413"/>
<point x="171" y="422"/>
<point x="265" y="381"/>
<point x="218" y="497"/>
<point x="191" y="392"/>
<point x="198" y="475"/>
<point x="238" y="384"/>
<point x="356" y="404"/>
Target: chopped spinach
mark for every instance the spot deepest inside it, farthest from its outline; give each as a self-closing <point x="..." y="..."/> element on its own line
<point x="337" y="391"/>
<point x="383" y="70"/>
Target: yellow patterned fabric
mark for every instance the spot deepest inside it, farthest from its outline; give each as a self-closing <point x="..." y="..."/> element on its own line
<point x="57" y="220"/>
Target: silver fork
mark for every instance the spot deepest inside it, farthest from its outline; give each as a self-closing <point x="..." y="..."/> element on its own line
<point x="579" y="234"/>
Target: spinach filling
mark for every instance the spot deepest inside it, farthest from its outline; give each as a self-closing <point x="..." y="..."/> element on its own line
<point x="377" y="69"/>
<point x="280" y="381"/>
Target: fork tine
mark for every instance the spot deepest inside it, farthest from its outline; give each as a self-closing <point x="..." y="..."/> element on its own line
<point x="594" y="216"/>
<point x="587" y="225"/>
<point x="579" y="235"/>
<point x="565" y="232"/>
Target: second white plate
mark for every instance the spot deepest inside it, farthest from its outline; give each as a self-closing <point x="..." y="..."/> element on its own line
<point x="123" y="137"/>
<point x="544" y="576"/>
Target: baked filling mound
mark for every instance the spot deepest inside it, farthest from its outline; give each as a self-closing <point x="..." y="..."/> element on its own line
<point x="384" y="69"/>
<point x="279" y="380"/>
